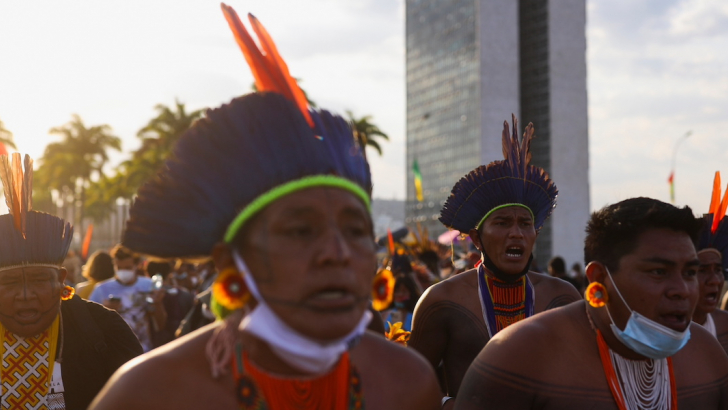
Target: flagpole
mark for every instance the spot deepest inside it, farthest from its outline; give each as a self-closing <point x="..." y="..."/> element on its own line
<point x="672" y="169"/>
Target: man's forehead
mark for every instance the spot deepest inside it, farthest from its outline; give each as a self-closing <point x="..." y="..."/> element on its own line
<point x="666" y="244"/>
<point x="511" y="212"/>
<point x="710" y="256"/>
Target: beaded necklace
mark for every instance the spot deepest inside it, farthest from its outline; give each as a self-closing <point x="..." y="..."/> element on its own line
<point x="504" y="303"/>
<point x="339" y="389"/>
<point x="637" y="384"/>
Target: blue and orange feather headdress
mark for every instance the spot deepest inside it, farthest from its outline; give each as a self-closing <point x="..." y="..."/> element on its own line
<point x="27" y="237"/>
<point x="242" y="156"/>
<point x="508" y="182"/>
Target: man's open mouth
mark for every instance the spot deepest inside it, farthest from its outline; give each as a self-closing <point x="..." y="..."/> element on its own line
<point x="514" y="251"/>
<point x="711" y="297"/>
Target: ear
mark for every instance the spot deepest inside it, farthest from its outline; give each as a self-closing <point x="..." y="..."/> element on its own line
<point x="475" y="237"/>
<point x="222" y="256"/>
<point x="596" y="272"/>
<point x="62" y="273"/>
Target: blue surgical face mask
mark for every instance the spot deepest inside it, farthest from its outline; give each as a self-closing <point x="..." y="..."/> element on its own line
<point x="647" y="337"/>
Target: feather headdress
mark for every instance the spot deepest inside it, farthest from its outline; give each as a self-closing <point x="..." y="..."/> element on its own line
<point x="508" y="182"/>
<point x="29" y="238"/>
<point x="241" y="157"/>
<point x="715" y="231"/>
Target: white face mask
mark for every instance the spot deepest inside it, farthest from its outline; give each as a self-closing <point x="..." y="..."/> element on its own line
<point x="297" y="350"/>
<point x="125" y="275"/>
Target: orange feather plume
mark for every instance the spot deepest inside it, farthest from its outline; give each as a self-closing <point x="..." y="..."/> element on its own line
<point x="18" y="187"/>
<point x="717" y="206"/>
<point x="268" y="68"/>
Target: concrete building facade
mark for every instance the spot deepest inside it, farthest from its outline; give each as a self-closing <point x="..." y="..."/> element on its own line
<point x="470" y="64"/>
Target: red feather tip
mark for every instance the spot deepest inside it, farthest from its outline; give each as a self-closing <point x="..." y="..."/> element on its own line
<point x="269" y="69"/>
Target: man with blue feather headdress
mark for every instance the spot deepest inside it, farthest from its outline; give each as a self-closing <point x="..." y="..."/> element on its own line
<point x="501" y="206"/>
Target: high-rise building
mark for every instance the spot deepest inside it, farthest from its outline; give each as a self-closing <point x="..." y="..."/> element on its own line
<point x="470" y="64"/>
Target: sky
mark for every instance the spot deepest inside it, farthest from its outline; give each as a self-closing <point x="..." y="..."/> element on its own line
<point x="656" y="70"/>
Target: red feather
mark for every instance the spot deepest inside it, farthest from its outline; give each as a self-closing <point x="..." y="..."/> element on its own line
<point x="715" y="204"/>
<point x="269" y="70"/>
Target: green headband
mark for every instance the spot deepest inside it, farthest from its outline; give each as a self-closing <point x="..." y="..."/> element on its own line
<point x="288" y="188"/>
<point x="500" y="207"/>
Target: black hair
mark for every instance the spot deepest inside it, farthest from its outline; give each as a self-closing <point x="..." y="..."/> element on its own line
<point x="99" y="267"/>
<point x="408" y="281"/>
<point x="159" y="267"/>
<point x="613" y="231"/>
<point x="557" y="264"/>
<point x="120" y="252"/>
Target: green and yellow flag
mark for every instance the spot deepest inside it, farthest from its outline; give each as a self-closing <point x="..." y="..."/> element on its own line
<point x="418" y="181"/>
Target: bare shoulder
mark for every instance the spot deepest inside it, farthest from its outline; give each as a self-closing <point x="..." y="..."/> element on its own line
<point x="147" y="382"/>
<point x="720" y="317"/>
<point x="517" y="340"/>
<point x="451" y="287"/>
<point x="552" y="292"/>
<point x="399" y="377"/>
<point x="704" y="346"/>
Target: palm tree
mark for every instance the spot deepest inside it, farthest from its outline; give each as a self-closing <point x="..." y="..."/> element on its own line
<point x="158" y="139"/>
<point x="6" y="137"/>
<point x="69" y="165"/>
<point x="365" y="132"/>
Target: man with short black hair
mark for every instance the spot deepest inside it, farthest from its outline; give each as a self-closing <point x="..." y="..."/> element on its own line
<point x="630" y="345"/>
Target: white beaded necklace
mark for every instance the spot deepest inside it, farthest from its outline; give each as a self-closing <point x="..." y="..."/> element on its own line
<point x="645" y="383"/>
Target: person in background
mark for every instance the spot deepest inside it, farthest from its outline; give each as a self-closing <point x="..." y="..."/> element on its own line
<point x="712" y="253"/>
<point x="406" y="294"/>
<point x="99" y="268"/>
<point x="502" y="206"/>
<point x="183" y="273"/>
<point x="557" y="269"/>
<point x="177" y="300"/>
<point x="73" y="263"/>
<point x="133" y="297"/>
<point x="56" y="349"/>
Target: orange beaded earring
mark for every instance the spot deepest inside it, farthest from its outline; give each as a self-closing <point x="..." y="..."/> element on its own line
<point x="596" y="295"/>
<point x="67" y="292"/>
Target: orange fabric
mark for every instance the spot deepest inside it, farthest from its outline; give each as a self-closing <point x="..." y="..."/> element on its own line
<point x="330" y="391"/>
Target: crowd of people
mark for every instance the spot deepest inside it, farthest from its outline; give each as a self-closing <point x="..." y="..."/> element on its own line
<point x="248" y="277"/>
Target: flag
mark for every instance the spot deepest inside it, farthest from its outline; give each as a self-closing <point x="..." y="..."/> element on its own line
<point x="418" y="181"/>
<point x="671" y="181"/>
<point x="87" y="241"/>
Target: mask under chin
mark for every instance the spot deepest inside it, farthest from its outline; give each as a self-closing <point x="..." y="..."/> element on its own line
<point x="502" y="276"/>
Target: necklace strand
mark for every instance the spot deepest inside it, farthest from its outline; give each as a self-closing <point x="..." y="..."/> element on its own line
<point x="645" y="383"/>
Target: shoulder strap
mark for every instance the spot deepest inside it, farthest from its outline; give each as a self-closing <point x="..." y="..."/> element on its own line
<point x="92" y="334"/>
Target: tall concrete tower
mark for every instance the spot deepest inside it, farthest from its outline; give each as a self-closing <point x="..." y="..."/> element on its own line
<point x="470" y="64"/>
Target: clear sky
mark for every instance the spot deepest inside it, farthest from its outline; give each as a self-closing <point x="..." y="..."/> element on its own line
<point x="656" y="69"/>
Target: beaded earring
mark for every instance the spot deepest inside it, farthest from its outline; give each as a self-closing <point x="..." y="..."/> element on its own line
<point x="382" y="289"/>
<point x="67" y="292"/>
<point x="230" y="290"/>
<point x="596" y="295"/>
